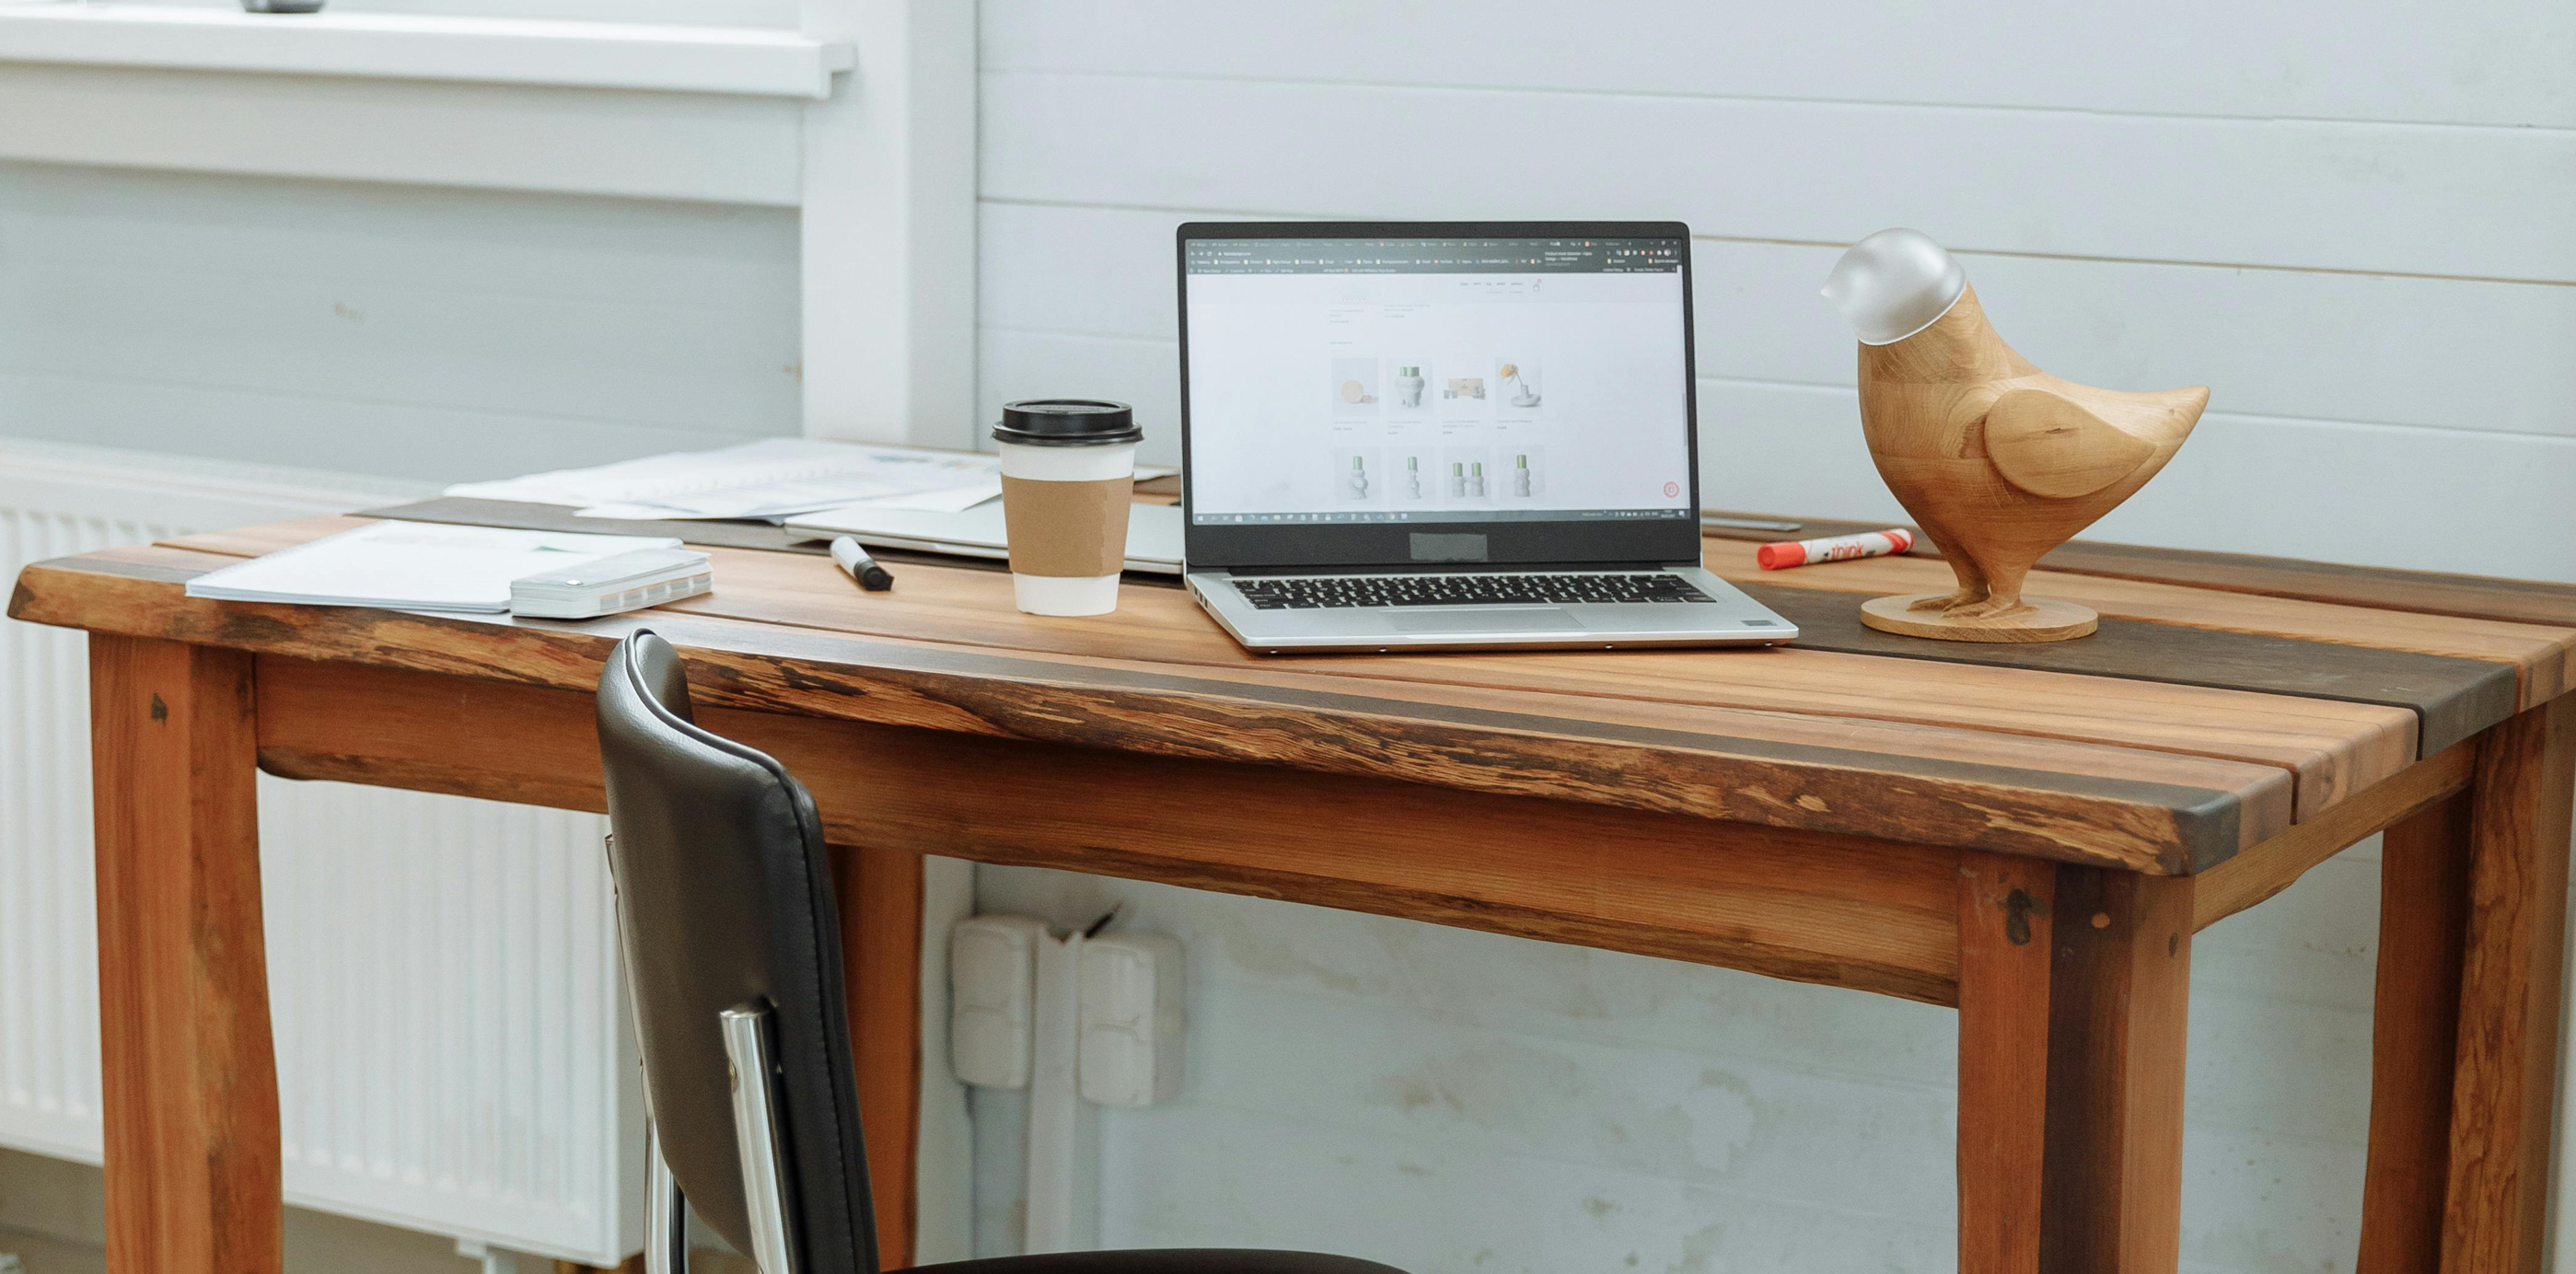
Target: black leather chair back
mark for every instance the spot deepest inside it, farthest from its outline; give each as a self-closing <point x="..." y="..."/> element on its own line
<point x="724" y="898"/>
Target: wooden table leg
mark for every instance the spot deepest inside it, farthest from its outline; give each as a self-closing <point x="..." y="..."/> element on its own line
<point x="881" y="951"/>
<point x="2415" y="1018"/>
<point x="2505" y="1087"/>
<point x="2004" y="941"/>
<point x="190" y="1070"/>
<point x="2073" y="999"/>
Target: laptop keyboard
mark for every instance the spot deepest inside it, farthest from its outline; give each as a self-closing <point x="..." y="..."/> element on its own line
<point x="1303" y="592"/>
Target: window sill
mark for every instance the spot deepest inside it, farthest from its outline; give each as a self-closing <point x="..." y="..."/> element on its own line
<point x="736" y="61"/>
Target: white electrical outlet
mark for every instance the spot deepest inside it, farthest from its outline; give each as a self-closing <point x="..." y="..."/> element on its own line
<point x="992" y="983"/>
<point x="1132" y="1019"/>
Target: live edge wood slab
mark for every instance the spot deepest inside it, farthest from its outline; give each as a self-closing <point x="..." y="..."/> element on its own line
<point x="2030" y="833"/>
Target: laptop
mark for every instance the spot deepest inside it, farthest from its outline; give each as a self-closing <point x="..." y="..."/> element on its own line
<point x="1446" y="435"/>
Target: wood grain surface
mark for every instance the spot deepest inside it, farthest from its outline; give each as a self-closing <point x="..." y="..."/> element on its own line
<point x="2148" y="810"/>
<point x="2031" y="619"/>
<point x="1999" y="462"/>
<point x="2505" y="1090"/>
<point x="2414" y="1038"/>
<point x="2030" y="832"/>
<point x="2073" y="990"/>
<point x="2006" y="935"/>
<point x="2267" y="869"/>
<point x="879" y="891"/>
<point x="2541" y="656"/>
<point x="1681" y="730"/>
<point x="2453" y="697"/>
<point x="1841" y="910"/>
<point x="189" y="1074"/>
<point x="2118" y="997"/>
<point x="2376" y="587"/>
<point x="2334" y="750"/>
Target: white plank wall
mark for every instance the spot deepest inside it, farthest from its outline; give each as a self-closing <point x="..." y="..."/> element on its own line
<point x="1455" y="1103"/>
<point x="423" y="333"/>
<point x="2351" y="222"/>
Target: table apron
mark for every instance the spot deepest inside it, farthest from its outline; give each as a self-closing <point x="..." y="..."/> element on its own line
<point x="1871" y="915"/>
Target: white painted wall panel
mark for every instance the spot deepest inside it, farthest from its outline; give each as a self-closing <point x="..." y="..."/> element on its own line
<point x="1452" y="1101"/>
<point x="2472" y="62"/>
<point x="573" y="141"/>
<point x="728" y="13"/>
<point x="2282" y="342"/>
<point x="440" y="443"/>
<point x="2472" y="201"/>
<point x="2292" y="487"/>
<point x="2348" y="223"/>
<point x="2429" y="499"/>
<point x="439" y="334"/>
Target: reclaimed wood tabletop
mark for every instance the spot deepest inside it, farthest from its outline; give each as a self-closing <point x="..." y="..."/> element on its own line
<point x="1963" y="824"/>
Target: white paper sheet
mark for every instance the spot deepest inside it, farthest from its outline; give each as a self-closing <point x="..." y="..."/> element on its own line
<point x="412" y="566"/>
<point x="772" y="478"/>
<point x="1153" y="531"/>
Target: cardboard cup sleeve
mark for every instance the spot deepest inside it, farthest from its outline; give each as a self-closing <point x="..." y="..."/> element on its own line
<point x="1067" y="529"/>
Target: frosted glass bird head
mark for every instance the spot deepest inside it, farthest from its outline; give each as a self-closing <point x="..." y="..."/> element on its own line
<point x="1893" y="284"/>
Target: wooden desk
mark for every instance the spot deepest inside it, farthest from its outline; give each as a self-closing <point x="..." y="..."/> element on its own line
<point x="2031" y="834"/>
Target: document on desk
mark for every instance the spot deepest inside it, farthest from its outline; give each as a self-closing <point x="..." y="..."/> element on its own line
<point x="769" y="479"/>
<point x="412" y="566"/>
<point x="1153" y="532"/>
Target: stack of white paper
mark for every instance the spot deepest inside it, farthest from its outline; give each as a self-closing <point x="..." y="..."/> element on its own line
<point x="412" y="566"/>
<point x="770" y="479"/>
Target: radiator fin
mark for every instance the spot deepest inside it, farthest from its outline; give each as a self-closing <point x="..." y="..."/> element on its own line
<point x="452" y="1044"/>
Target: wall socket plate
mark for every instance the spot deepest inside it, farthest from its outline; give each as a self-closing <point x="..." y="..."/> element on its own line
<point x="1132" y="1019"/>
<point x="1130" y="1009"/>
<point x="992" y="998"/>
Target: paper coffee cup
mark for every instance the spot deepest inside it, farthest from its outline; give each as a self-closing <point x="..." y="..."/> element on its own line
<point x="1068" y="477"/>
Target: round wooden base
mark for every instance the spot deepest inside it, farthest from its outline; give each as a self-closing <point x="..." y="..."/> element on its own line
<point x="2042" y="620"/>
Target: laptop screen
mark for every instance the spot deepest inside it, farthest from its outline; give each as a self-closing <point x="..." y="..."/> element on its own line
<point x="1436" y="380"/>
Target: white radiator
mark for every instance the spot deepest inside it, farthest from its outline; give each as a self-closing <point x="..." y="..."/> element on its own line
<point x="452" y="1044"/>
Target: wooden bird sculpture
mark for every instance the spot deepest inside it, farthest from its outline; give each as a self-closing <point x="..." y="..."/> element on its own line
<point x="1997" y="461"/>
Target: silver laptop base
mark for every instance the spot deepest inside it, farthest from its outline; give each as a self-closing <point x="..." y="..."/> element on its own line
<point x="1729" y="618"/>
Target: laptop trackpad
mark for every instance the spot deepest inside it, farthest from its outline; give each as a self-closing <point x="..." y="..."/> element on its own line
<point x="1483" y="619"/>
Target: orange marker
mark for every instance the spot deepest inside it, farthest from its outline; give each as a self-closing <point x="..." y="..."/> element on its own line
<point x="1784" y="554"/>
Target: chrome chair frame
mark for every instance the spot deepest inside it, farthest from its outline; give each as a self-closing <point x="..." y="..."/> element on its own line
<point x="756" y="1138"/>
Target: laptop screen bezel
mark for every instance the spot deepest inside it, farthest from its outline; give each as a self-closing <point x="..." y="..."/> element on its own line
<point x="1379" y="544"/>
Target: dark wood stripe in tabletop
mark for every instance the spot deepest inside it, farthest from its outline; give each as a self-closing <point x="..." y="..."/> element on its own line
<point x="2377" y="587"/>
<point x="2452" y="698"/>
<point x="2168" y="826"/>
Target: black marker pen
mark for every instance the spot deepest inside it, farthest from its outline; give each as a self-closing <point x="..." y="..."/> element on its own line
<point x="861" y="567"/>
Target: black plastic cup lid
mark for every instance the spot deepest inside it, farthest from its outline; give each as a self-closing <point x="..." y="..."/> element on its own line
<point x="1068" y="422"/>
